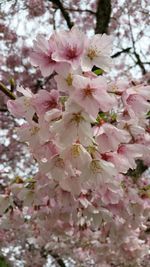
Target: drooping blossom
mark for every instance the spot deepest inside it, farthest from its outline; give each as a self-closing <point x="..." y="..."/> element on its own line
<point x="89" y="147"/>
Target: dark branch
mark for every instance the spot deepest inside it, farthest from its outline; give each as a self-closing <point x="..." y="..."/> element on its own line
<point x="126" y="50"/>
<point x="138" y="60"/>
<point x="81" y="10"/>
<point x="103" y="16"/>
<point x="45" y="253"/>
<point x="6" y="91"/>
<point x="58" y="259"/>
<point x="65" y="14"/>
<point x="3" y="109"/>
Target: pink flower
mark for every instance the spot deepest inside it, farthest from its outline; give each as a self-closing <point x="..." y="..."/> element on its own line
<point x="140" y="90"/>
<point x="70" y="47"/>
<point x="135" y="104"/>
<point x="119" y="86"/>
<point x="91" y="94"/>
<point x="97" y="173"/>
<point x="109" y="137"/>
<point x="98" y="49"/>
<point x="42" y="55"/>
<point x="65" y="78"/>
<point x="111" y="193"/>
<point x="120" y="161"/>
<point x="74" y="126"/>
<point x="77" y="156"/>
<point x="45" y="151"/>
<point x="22" y="106"/>
<point x="45" y="101"/>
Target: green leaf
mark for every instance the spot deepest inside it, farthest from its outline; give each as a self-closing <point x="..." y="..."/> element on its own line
<point x="148" y="115"/>
<point x="98" y="72"/>
<point x="3" y="262"/>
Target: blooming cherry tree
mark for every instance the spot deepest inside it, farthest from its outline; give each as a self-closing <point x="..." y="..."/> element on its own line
<point x="88" y="138"/>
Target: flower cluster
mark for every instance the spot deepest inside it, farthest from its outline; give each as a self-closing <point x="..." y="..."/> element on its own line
<point x="91" y="141"/>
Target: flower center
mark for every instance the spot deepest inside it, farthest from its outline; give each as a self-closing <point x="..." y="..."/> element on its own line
<point x="71" y="52"/>
<point x="88" y="91"/>
<point x="69" y="79"/>
<point x="77" y="117"/>
<point x="92" y="53"/>
<point x="76" y="150"/>
<point x="34" y="130"/>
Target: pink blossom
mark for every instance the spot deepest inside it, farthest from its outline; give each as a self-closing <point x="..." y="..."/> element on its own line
<point x="75" y="125"/>
<point x="70" y="47"/>
<point x="109" y="137"/>
<point x="45" y="101"/>
<point x="65" y="78"/>
<point x="135" y="104"/>
<point x="92" y="95"/>
<point x="97" y="52"/>
<point x="22" y="106"/>
<point x="42" y="55"/>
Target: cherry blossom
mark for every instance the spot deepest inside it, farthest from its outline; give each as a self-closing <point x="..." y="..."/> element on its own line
<point x="98" y="51"/>
<point x="42" y="55"/>
<point x="88" y="145"/>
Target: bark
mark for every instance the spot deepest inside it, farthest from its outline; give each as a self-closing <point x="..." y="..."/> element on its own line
<point x="103" y="14"/>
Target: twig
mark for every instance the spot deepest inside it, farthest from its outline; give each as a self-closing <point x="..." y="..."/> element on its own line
<point x="58" y="259"/>
<point x="81" y="10"/>
<point x="6" y="91"/>
<point x="126" y="50"/>
<point x="137" y="56"/>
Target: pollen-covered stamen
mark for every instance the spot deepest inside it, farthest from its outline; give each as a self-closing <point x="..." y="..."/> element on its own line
<point x="27" y="102"/>
<point x="92" y="53"/>
<point x="34" y="130"/>
<point x="95" y="166"/>
<point x="76" y="150"/>
<point x="69" y="79"/>
<point x="59" y="163"/>
<point x="77" y="117"/>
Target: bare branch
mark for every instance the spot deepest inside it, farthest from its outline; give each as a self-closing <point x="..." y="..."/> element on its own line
<point x="103" y="16"/>
<point x="81" y="10"/>
<point x="64" y="12"/>
<point x="126" y="50"/>
<point x="58" y="260"/>
<point x="6" y="91"/>
<point x="137" y="56"/>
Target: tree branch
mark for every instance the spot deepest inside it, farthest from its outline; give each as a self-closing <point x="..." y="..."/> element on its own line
<point x="65" y="14"/>
<point x="126" y="50"/>
<point x="59" y="261"/>
<point x="6" y="91"/>
<point x="81" y="10"/>
<point x="103" y="16"/>
<point x="137" y="56"/>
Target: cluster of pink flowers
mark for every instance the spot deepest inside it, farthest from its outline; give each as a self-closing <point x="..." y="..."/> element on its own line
<point x="88" y="137"/>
